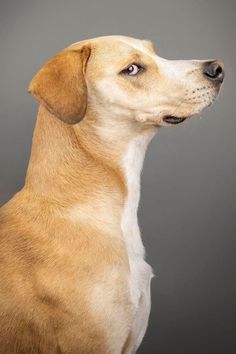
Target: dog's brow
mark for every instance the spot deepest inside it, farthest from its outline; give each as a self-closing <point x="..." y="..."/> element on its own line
<point x="138" y="47"/>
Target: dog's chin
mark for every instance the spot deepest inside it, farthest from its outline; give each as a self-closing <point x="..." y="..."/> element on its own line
<point x="173" y="120"/>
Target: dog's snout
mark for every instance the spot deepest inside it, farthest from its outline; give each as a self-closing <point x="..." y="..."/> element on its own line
<point x="214" y="70"/>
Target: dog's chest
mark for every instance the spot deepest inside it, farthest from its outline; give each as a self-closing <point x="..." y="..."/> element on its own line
<point x="140" y="271"/>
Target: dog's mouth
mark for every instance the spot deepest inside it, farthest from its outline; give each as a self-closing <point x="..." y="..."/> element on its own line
<point x="173" y="119"/>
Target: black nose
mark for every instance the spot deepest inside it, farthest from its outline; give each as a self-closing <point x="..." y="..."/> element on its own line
<point x="214" y="70"/>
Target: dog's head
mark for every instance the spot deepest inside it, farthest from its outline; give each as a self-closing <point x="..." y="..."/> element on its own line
<point x="123" y="78"/>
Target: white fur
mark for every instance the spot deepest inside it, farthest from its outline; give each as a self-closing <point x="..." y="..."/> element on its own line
<point x="174" y="69"/>
<point x="140" y="271"/>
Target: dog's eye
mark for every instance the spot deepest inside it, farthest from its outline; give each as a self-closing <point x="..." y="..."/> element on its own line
<point x="132" y="70"/>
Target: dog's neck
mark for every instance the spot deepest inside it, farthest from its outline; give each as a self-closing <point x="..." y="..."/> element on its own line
<point x="69" y="161"/>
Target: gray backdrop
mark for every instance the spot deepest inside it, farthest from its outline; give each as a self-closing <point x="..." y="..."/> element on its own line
<point x="188" y="224"/>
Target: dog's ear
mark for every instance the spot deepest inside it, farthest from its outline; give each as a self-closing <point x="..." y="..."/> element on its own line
<point x="60" y="85"/>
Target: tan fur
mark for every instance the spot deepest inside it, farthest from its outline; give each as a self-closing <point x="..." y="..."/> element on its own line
<point x="54" y="262"/>
<point x="68" y="98"/>
<point x="63" y="263"/>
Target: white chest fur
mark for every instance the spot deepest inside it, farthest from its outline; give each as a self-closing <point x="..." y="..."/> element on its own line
<point x="140" y="271"/>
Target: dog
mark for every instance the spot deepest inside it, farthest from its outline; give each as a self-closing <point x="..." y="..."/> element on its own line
<point x="73" y="274"/>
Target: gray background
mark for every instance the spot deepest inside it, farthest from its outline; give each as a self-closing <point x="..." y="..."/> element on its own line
<point x="188" y="223"/>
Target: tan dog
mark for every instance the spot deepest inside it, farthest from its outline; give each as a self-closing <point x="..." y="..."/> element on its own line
<point x="72" y="271"/>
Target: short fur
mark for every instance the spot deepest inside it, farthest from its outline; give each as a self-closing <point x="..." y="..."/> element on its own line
<point x="72" y="270"/>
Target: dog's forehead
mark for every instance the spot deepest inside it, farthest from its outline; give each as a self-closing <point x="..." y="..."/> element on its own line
<point x="115" y="45"/>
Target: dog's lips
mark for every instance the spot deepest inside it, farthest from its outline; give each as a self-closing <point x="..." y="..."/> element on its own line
<point x="173" y="119"/>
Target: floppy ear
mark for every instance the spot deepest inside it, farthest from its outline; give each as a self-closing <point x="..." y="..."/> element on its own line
<point x="60" y="85"/>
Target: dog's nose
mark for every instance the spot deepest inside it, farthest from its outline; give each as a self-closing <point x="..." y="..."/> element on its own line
<point x="214" y="70"/>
